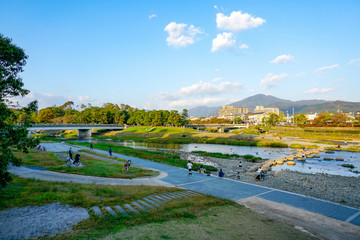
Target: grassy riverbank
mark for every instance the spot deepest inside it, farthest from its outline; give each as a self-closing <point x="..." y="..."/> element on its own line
<point x="185" y="136"/>
<point x="191" y="218"/>
<point x="91" y="166"/>
<point x="167" y="158"/>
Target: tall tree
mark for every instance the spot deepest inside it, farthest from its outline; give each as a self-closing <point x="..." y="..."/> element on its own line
<point x="12" y="61"/>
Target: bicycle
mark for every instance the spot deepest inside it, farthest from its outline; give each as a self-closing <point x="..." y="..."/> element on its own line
<point x="126" y="166"/>
<point x="75" y="161"/>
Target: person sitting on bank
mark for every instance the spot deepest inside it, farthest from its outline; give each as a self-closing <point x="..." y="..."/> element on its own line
<point x="221" y="173"/>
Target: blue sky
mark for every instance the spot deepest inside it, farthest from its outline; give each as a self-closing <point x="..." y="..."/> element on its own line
<point x="183" y="54"/>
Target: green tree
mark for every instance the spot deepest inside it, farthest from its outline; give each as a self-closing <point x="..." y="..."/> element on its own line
<point x="271" y="119"/>
<point x="301" y="118"/>
<point x="12" y="61"/>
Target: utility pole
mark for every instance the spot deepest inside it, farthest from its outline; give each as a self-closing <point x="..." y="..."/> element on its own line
<point x="293" y="116"/>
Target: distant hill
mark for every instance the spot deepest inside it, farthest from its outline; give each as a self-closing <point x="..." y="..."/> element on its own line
<point x="204" y="111"/>
<point x="302" y="106"/>
<point x="257" y="100"/>
<point x="332" y="107"/>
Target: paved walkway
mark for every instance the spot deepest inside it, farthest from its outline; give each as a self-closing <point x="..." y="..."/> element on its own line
<point x="319" y="210"/>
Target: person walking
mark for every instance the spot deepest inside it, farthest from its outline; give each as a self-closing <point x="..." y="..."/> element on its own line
<point x="70" y="153"/>
<point x="189" y="166"/>
<point x="110" y="151"/>
<point x="91" y="146"/>
<point x="238" y="176"/>
<point x="240" y="164"/>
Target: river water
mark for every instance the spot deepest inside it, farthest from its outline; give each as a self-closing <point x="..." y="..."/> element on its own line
<point x="314" y="165"/>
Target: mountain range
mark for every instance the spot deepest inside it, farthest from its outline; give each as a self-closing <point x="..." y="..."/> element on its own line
<point x="302" y="106"/>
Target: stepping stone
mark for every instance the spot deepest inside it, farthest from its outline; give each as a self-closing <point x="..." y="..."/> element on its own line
<point x="152" y="202"/>
<point x="165" y="196"/>
<point x="155" y="199"/>
<point x="97" y="211"/>
<point x="162" y="198"/>
<point x="168" y="195"/>
<point x="181" y="194"/>
<point x="171" y="195"/>
<point x="145" y="203"/>
<point x="128" y="206"/>
<point x="178" y="194"/>
<point x="140" y="206"/>
<point x="109" y="209"/>
<point x="120" y="209"/>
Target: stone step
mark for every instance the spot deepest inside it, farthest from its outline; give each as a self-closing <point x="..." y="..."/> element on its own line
<point x="164" y="196"/>
<point x="120" y="209"/>
<point x="168" y="195"/>
<point x="152" y="201"/>
<point x="145" y="204"/>
<point x="139" y="206"/>
<point x="156" y="199"/>
<point x="159" y="197"/>
<point x="177" y="195"/>
<point x="97" y="211"/>
<point x="128" y="206"/>
<point x="109" y="209"/>
<point x="172" y="195"/>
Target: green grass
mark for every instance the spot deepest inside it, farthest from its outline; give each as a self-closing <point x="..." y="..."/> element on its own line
<point x="197" y="216"/>
<point x="92" y="166"/>
<point x="170" y="159"/>
<point x="251" y="158"/>
<point x="348" y="165"/>
<point x="216" y="154"/>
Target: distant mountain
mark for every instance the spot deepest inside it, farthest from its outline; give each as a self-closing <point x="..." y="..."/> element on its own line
<point x="302" y="106"/>
<point x="299" y="106"/>
<point x="257" y="100"/>
<point x="332" y="107"/>
<point x="204" y="111"/>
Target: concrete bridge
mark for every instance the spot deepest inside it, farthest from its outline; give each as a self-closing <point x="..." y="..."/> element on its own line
<point x="84" y="130"/>
<point x="221" y="127"/>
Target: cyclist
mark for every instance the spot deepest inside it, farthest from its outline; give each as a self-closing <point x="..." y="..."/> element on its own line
<point x="127" y="165"/>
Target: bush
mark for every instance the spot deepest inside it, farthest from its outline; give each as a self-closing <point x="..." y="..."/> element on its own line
<point x="251" y="158"/>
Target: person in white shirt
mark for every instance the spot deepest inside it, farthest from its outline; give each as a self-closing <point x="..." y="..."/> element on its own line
<point x="189" y="165"/>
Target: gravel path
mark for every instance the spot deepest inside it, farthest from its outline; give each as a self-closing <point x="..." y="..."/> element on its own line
<point x="30" y="222"/>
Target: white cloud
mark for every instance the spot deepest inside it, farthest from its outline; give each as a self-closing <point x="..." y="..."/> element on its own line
<point x="44" y="99"/>
<point x="301" y="74"/>
<point x="237" y="21"/>
<point x="242" y="46"/>
<point x="152" y="16"/>
<point x="283" y="59"/>
<point x="223" y="40"/>
<point x="317" y="90"/>
<point x="354" y="61"/>
<point x="196" y="102"/>
<point x="216" y="7"/>
<point x="217" y="70"/>
<point x="251" y="90"/>
<point x="218" y="79"/>
<point x="85" y="99"/>
<point x="180" y="35"/>
<point x="338" y="80"/>
<point x="200" y="89"/>
<point x="271" y="79"/>
<point x="326" y="68"/>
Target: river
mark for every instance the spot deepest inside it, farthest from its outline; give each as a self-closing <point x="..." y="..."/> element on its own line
<point x="314" y="165"/>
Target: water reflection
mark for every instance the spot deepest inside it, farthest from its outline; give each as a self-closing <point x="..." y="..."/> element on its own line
<point x="314" y="165"/>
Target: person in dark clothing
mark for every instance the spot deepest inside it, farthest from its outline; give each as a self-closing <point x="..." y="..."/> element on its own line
<point x="110" y="152"/>
<point x="70" y="153"/>
<point x="221" y="173"/>
<point x="91" y="146"/>
<point x="77" y="158"/>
